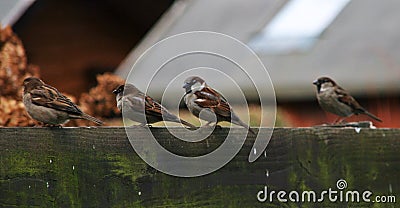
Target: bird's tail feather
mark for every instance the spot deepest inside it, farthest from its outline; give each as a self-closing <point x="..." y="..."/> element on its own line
<point x="241" y="123"/>
<point x="187" y="124"/>
<point x="372" y="116"/>
<point x="93" y="119"/>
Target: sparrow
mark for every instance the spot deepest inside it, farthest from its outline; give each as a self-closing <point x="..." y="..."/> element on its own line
<point x="46" y="104"/>
<point x="200" y="97"/>
<point x="334" y="99"/>
<point x="136" y="102"/>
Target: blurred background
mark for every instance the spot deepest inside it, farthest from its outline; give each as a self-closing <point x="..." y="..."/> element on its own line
<point x="357" y="43"/>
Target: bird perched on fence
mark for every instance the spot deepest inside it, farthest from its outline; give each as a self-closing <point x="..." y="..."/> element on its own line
<point x="334" y="99"/>
<point x="200" y="97"/>
<point x="46" y="104"/>
<point x="133" y="103"/>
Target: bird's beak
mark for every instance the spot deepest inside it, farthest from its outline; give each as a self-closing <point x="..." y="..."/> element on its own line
<point x="186" y="85"/>
<point x="315" y="82"/>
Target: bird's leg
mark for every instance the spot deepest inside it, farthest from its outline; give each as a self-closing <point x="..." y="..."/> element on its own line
<point x="215" y="125"/>
<point x="339" y="120"/>
<point x="139" y="125"/>
<point x="40" y="124"/>
<point x="52" y="125"/>
<point x="208" y="123"/>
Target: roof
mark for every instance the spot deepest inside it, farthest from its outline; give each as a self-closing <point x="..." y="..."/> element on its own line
<point x="11" y="10"/>
<point x="359" y="49"/>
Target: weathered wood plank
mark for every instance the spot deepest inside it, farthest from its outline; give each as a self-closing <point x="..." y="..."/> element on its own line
<point x="97" y="167"/>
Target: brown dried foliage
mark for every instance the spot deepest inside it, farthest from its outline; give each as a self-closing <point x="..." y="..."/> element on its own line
<point x="13" y="70"/>
<point x="100" y="102"/>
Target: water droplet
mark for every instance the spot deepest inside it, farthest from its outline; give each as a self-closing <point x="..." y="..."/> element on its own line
<point x="29" y="187"/>
<point x="357" y="129"/>
<point x="51" y="161"/>
<point x="93" y="147"/>
<point x="47" y="184"/>
<point x="139" y="193"/>
<point x="267" y="173"/>
<point x="390" y="188"/>
<point x="255" y="151"/>
<point x="73" y="167"/>
<point x="265" y="153"/>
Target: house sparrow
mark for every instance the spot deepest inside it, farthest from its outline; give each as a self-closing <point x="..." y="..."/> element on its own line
<point x="199" y="96"/>
<point x="134" y="101"/>
<point x="46" y="104"/>
<point x="334" y="99"/>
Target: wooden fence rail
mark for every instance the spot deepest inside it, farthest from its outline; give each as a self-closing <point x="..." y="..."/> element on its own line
<point x="97" y="167"/>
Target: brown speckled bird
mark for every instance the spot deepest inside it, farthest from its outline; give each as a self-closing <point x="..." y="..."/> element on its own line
<point x="46" y="104"/>
<point x="200" y="97"/>
<point x="134" y="101"/>
<point x="334" y="99"/>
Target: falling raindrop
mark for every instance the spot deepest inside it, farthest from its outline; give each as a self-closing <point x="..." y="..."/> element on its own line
<point x="255" y="151"/>
<point x="265" y="153"/>
<point x="93" y="147"/>
<point x="390" y="188"/>
<point x="29" y="187"/>
<point x="51" y="161"/>
<point x="47" y="184"/>
<point x="267" y="173"/>
<point x="139" y="193"/>
<point x="73" y="167"/>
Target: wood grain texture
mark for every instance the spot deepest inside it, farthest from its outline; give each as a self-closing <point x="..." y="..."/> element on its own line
<point x="97" y="167"/>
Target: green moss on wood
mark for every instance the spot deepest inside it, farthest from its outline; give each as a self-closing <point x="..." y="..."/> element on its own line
<point x="97" y="167"/>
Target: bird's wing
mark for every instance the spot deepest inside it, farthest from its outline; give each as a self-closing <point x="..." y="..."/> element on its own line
<point x="209" y="98"/>
<point x="346" y="98"/>
<point x="153" y="108"/>
<point x="48" y="96"/>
